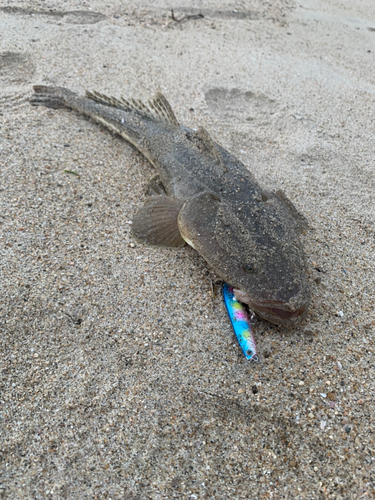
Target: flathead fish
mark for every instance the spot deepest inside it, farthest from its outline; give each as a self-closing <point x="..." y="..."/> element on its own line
<point x="204" y="196"/>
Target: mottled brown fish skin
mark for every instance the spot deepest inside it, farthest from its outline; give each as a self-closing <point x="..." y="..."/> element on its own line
<point x="247" y="235"/>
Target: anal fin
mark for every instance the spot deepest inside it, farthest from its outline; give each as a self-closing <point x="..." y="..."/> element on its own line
<point x="155" y="224"/>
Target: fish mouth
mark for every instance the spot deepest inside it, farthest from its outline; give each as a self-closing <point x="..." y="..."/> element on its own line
<point x="276" y="312"/>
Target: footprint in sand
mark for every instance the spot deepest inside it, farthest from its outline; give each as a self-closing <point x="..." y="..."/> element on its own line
<point x="233" y="102"/>
<point x="15" y="67"/>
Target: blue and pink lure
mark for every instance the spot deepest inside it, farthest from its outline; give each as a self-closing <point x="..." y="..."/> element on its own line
<point x="241" y="324"/>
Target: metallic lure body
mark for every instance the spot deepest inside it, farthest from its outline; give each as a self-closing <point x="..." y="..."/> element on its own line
<point x="241" y="324"/>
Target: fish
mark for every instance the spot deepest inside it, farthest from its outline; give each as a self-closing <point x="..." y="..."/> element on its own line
<point x="204" y="196"/>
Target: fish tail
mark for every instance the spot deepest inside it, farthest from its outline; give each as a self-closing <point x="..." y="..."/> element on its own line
<point x="60" y="97"/>
<point x="122" y="117"/>
<point x="52" y="97"/>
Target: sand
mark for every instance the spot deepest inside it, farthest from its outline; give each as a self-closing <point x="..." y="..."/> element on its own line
<point x="120" y="374"/>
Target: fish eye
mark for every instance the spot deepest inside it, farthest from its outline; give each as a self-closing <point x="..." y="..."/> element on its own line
<point x="249" y="268"/>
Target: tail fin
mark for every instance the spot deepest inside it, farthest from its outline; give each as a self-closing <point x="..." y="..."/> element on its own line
<point x="52" y="97"/>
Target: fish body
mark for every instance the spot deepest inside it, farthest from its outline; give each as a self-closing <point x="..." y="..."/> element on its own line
<point x="206" y="197"/>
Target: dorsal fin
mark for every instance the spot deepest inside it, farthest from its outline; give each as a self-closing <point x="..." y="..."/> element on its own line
<point x="157" y="108"/>
<point x="210" y="145"/>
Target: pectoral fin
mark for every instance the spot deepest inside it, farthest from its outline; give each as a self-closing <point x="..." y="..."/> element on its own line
<point x="156" y="222"/>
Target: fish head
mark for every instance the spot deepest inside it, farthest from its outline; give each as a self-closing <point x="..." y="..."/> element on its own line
<point x="256" y="250"/>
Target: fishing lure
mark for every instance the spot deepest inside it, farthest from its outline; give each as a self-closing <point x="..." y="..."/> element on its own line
<point x="241" y="324"/>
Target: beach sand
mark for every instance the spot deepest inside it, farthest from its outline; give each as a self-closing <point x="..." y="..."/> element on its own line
<point x="120" y="373"/>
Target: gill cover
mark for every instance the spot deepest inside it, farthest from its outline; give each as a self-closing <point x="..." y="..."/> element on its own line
<point x="197" y="221"/>
<point x="211" y="227"/>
